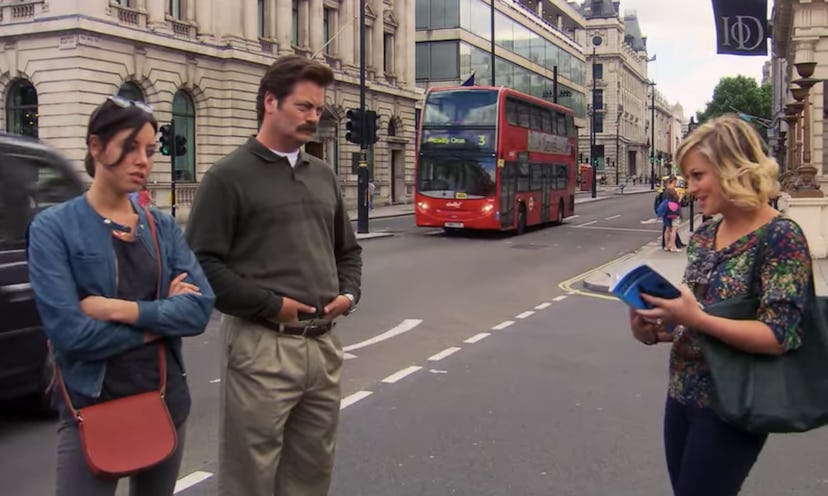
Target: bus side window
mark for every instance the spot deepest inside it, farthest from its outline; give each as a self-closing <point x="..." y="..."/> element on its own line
<point x="561" y="124"/>
<point x="512" y="112"/>
<point x="523" y="114"/>
<point x="536" y="119"/>
<point x="546" y="118"/>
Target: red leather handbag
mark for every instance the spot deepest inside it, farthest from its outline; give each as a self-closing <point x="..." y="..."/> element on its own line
<point x="127" y="435"/>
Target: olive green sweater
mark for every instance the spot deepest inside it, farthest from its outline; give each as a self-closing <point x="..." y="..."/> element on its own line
<point x="263" y="230"/>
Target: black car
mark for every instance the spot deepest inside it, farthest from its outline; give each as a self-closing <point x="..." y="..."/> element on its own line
<point x="33" y="177"/>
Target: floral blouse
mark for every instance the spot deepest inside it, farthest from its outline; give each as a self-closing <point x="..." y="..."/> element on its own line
<point x="785" y="279"/>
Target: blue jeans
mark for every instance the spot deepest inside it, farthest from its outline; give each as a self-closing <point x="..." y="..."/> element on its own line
<point x="706" y="456"/>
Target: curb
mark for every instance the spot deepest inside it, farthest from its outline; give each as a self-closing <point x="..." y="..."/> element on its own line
<point x="601" y="283"/>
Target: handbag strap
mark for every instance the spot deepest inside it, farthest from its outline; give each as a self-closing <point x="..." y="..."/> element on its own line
<point x="162" y="356"/>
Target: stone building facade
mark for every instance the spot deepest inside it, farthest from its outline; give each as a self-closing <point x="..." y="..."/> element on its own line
<point x="200" y="62"/>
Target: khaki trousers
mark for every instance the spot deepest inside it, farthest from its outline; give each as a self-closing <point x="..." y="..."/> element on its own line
<point x="280" y="401"/>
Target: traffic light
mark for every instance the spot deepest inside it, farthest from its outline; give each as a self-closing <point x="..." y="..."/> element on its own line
<point x="356" y="119"/>
<point x="180" y="145"/>
<point x="166" y="140"/>
<point x="371" y="119"/>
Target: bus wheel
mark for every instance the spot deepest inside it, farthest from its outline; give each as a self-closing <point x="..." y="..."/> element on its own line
<point x="521" y="223"/>
<point x="559" y="217"/>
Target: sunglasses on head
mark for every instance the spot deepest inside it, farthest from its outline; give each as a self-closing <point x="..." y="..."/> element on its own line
<point x="124" y="103"/>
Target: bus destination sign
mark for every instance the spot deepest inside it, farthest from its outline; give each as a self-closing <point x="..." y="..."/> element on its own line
<point x="458" y="139"/>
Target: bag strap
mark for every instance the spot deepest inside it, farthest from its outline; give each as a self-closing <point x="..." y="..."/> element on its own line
<point x="162" y="357"/>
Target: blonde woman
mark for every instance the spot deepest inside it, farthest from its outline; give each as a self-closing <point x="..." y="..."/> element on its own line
<point x="730" y="174"/>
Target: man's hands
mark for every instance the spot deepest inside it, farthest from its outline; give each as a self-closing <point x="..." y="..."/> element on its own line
<point x="178" y="286"/>
<point x="336" y="307"/>
<point x="290" y="310"/>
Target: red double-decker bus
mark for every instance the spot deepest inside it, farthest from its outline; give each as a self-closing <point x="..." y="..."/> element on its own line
<point x="493" y="158"/>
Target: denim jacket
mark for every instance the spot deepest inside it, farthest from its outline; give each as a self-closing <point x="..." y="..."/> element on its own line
<point x="71" y="256"/>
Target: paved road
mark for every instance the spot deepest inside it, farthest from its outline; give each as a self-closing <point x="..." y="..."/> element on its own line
<point x="559" y="402"/>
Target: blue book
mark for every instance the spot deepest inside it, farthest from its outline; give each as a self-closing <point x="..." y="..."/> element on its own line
<point x="643" y="279"/>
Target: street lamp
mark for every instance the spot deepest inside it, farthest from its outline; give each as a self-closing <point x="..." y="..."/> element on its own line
<point x="596" y="42"/>
<point x="652" y="85"/>
<point x="617" y="146"/>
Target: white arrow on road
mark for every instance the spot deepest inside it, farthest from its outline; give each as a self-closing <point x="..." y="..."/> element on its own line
<point x="404" y="326"/>
<point x="650" y="221"/>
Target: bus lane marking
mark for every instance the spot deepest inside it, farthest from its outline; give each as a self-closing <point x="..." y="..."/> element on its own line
<point x="191" y="480"/>
<point x="559" y="298"/>
<point x="477" y="337"/>
<point x="587" y="223"/>
<point x="445" y="353"/>
<point x="543" y="305"/>
<point x="613" y="217"/>
<point x="404" y="326"/>
<point x="353" y="398"/>
<point x="503" y="325"/>
<point x="525" y="314"/>
<point x="399" y="375"/>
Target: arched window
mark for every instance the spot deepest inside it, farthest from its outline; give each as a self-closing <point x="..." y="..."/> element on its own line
<point x="21" y="108"/>
<point x="184" y="117"/>
<point x="131" y="91"/>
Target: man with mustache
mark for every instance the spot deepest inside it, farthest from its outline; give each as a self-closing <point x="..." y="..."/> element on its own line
<point x="270" y="229"/>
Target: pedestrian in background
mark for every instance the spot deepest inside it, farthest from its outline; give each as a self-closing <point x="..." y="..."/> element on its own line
<point x="729" y="174"/>
<point x="371" y="192"/>
<point x="668" y="211"/>
<point x="271" y="230"/>
<point x="95" y="274"/>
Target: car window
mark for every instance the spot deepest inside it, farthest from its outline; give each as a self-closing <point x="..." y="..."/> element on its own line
<point x="28" y="185"/>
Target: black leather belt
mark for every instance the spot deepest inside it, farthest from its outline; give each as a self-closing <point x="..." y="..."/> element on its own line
<point x="308" y="329"/>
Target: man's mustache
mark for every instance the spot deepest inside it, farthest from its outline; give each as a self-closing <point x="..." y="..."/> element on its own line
<point x="311" y="128"/>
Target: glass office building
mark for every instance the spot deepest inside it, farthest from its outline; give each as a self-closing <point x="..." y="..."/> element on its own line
<point x="454" y="41"/>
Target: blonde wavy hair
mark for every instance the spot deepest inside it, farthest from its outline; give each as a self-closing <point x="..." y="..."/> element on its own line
<point x="748" y="177"/>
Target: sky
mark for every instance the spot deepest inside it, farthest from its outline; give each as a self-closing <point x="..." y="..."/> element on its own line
<point x="682" y="35"/>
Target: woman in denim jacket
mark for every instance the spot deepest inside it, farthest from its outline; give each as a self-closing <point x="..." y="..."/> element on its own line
<point x="94" y="271"/>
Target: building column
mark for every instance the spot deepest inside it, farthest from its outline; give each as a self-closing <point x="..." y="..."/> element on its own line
<point x="345" y="42"/>
<point x="204" y="17"/>
<point x="156" y="15"/>
<point x="250" y="21"/>
<point x="378" y="41"/>
<point x="284" y="26"/>
<point x="314" y="22"/>
<point x="304" y="35"/>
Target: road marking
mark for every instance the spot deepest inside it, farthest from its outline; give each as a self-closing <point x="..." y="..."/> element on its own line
<point x="405" y="326"/>
<point x="477" y="337"/>
<point x="587" y="223"/>
<point x="525" y="314"/>
<point x="572" y="217"/>
<point x="351" y="399"/>
<point x="650" y="221"/>
<point x="627" y="229"/>
<point x="613" y="217"/>
<point x="348" y="356"/>
<point x="215" y="381"/>
<point x="503" y="325"/>
<point x="190" y="480"/>
<point x="559" y="298"/>
<point x="444" y="353"/>
<point x="396" y="376"/>
<point x="435" y="371"/>
<point x="543" y="305"/>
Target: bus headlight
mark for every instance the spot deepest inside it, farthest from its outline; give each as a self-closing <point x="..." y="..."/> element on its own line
<point x="422" y="205"/>
<point x="487" y="208"/>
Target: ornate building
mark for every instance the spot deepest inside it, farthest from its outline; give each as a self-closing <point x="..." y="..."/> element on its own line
<point x="624" y="98"/>
<point x="199" y="62"/>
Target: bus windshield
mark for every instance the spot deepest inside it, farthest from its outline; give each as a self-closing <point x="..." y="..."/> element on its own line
<point x="446" y="175"/>
<point x="461" y="108"/>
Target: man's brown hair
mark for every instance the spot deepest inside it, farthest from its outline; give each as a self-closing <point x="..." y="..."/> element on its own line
<point x="282" y="76"/>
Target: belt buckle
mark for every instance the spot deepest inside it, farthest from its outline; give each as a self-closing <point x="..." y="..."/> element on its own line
<point x="305" y="330"/>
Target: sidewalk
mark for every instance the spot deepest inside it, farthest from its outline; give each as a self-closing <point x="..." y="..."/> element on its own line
<point x="671" y="265"/>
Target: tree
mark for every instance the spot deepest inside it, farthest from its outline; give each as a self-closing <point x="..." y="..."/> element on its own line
<point x="742" y="95"/>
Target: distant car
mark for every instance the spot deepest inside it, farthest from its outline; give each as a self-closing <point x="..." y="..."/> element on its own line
<point x="33" y="177"/>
